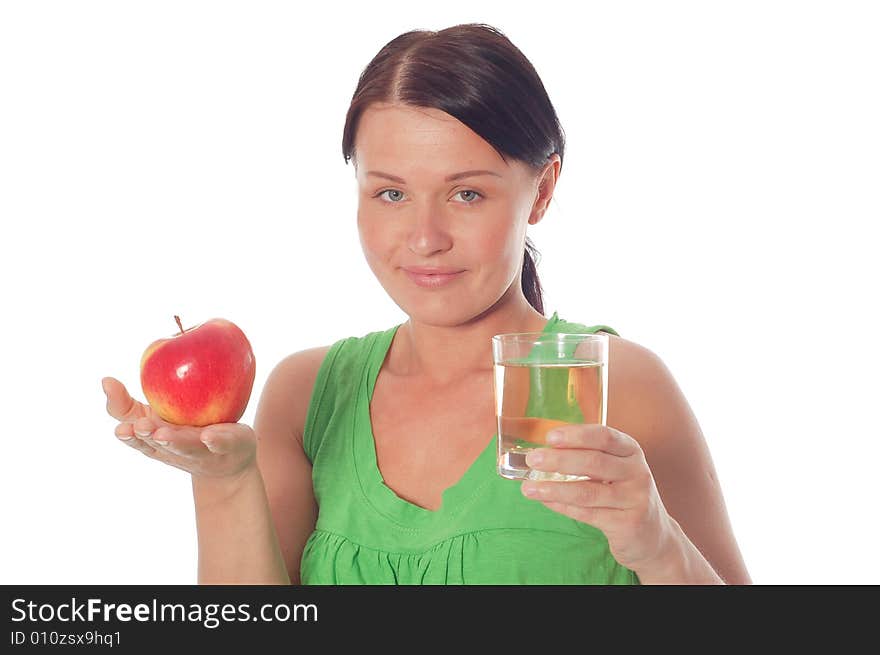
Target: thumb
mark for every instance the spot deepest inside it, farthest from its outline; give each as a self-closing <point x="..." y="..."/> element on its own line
<point x="120" y="404"/>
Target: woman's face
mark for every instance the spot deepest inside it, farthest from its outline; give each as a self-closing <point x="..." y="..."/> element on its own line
<point x="474" y="226"/>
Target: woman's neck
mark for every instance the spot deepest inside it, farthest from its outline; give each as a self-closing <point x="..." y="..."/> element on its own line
<point x="441" y="355"/>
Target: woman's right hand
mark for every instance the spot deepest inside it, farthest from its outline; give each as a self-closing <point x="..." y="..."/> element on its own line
<point x="220" y="450"/>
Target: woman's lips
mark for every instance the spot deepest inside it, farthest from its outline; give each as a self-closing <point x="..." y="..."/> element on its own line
<point x="432" y="280"/>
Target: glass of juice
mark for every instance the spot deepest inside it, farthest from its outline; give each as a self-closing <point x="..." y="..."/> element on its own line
<point x="545" y="380"/>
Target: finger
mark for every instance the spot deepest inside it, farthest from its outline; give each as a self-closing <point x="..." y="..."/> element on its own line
<point x="527" y="428"/>
<point x="159" y="445"/>
<point x="171" y="439"/>
<point x="124" y="431"/>
<point x="138" y="444"/>
<point x="595" y="436"/>
<point x="599" y="517"/>
<point x="189" y="441"/>
<point x="583" y="493"/>
<point x="154" y="446"/>
<point x="597" y="464"/>
<point x="144" y="427"/>
<point x="120" y="405"/>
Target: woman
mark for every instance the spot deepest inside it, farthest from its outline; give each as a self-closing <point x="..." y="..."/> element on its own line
<point x="374" y="459"/>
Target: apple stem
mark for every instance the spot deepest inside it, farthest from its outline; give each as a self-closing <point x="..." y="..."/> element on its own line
<point x="177" y="318"/>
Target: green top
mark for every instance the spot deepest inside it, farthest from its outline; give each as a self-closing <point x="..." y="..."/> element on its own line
<point x="485" y="532"/>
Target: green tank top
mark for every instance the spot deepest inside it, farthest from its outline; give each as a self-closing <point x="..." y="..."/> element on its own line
<point x="485" y="532"/>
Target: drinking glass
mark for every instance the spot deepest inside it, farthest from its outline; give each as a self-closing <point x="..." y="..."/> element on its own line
<point x="544" y="380"/>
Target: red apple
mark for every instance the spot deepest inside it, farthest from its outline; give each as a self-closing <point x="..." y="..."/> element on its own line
<point x="201" y="376"/>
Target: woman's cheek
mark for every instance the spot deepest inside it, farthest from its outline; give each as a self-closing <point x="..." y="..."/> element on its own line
<point x="371" y="236"/>
<point x="499" y="247"/>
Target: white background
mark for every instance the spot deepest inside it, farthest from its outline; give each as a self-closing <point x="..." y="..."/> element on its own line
<point x="717" y="204"/>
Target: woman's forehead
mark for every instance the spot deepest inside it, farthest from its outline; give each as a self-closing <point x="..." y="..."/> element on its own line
<point x="406" y="142"/>
<point x="397" y="131"/>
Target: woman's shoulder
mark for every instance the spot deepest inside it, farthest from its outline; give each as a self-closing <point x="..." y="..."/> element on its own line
<point x="638" y="379"/>
<point x="304" y="365"/>
<point x="294" y="377"/>
<point x="644" y="398"/>
<point x="628" y="355"/>
<point x="636" y="365"/>
<point x="287" y="391"/>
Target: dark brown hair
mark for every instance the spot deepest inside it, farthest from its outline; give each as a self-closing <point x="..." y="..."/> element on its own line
<point x="474" y="73"/>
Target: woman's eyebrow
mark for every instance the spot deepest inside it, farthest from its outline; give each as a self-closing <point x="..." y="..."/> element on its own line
<point x="448" y="178"/>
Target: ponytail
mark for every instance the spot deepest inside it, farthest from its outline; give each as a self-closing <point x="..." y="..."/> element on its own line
<point x="531" y="285"/>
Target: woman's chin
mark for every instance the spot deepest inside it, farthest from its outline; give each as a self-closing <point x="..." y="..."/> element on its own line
<point x="437" y="313"/>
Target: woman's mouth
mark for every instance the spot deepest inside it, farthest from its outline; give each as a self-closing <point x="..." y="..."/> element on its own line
<point x="432" y="278"/>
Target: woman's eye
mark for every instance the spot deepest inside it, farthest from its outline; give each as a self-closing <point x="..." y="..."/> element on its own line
<point x="475" y="193"/>
<point x="381" y="193"/>
<point x="395" y="196"/>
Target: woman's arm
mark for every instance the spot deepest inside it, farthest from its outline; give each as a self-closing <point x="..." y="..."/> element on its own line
<point x="252" y="529"/>
<point x="237" y="541"/>
<point x="651" y="487"/>
<point x="646" y="402"/>
<point x="286" y="471"/>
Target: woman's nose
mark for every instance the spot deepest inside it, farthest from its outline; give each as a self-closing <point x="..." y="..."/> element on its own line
<point x="428" y="233"/>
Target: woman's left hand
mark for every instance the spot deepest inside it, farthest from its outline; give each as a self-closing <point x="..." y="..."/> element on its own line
<point x="620" y="498"/>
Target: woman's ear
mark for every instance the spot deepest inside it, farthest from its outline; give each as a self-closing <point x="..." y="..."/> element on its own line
<point x="546" y="182"/>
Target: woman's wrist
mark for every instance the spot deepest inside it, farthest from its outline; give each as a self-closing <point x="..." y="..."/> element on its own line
<point x="236" y="536"/>
<point x="211" y="490"/>
<point x="678" y="563"/>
